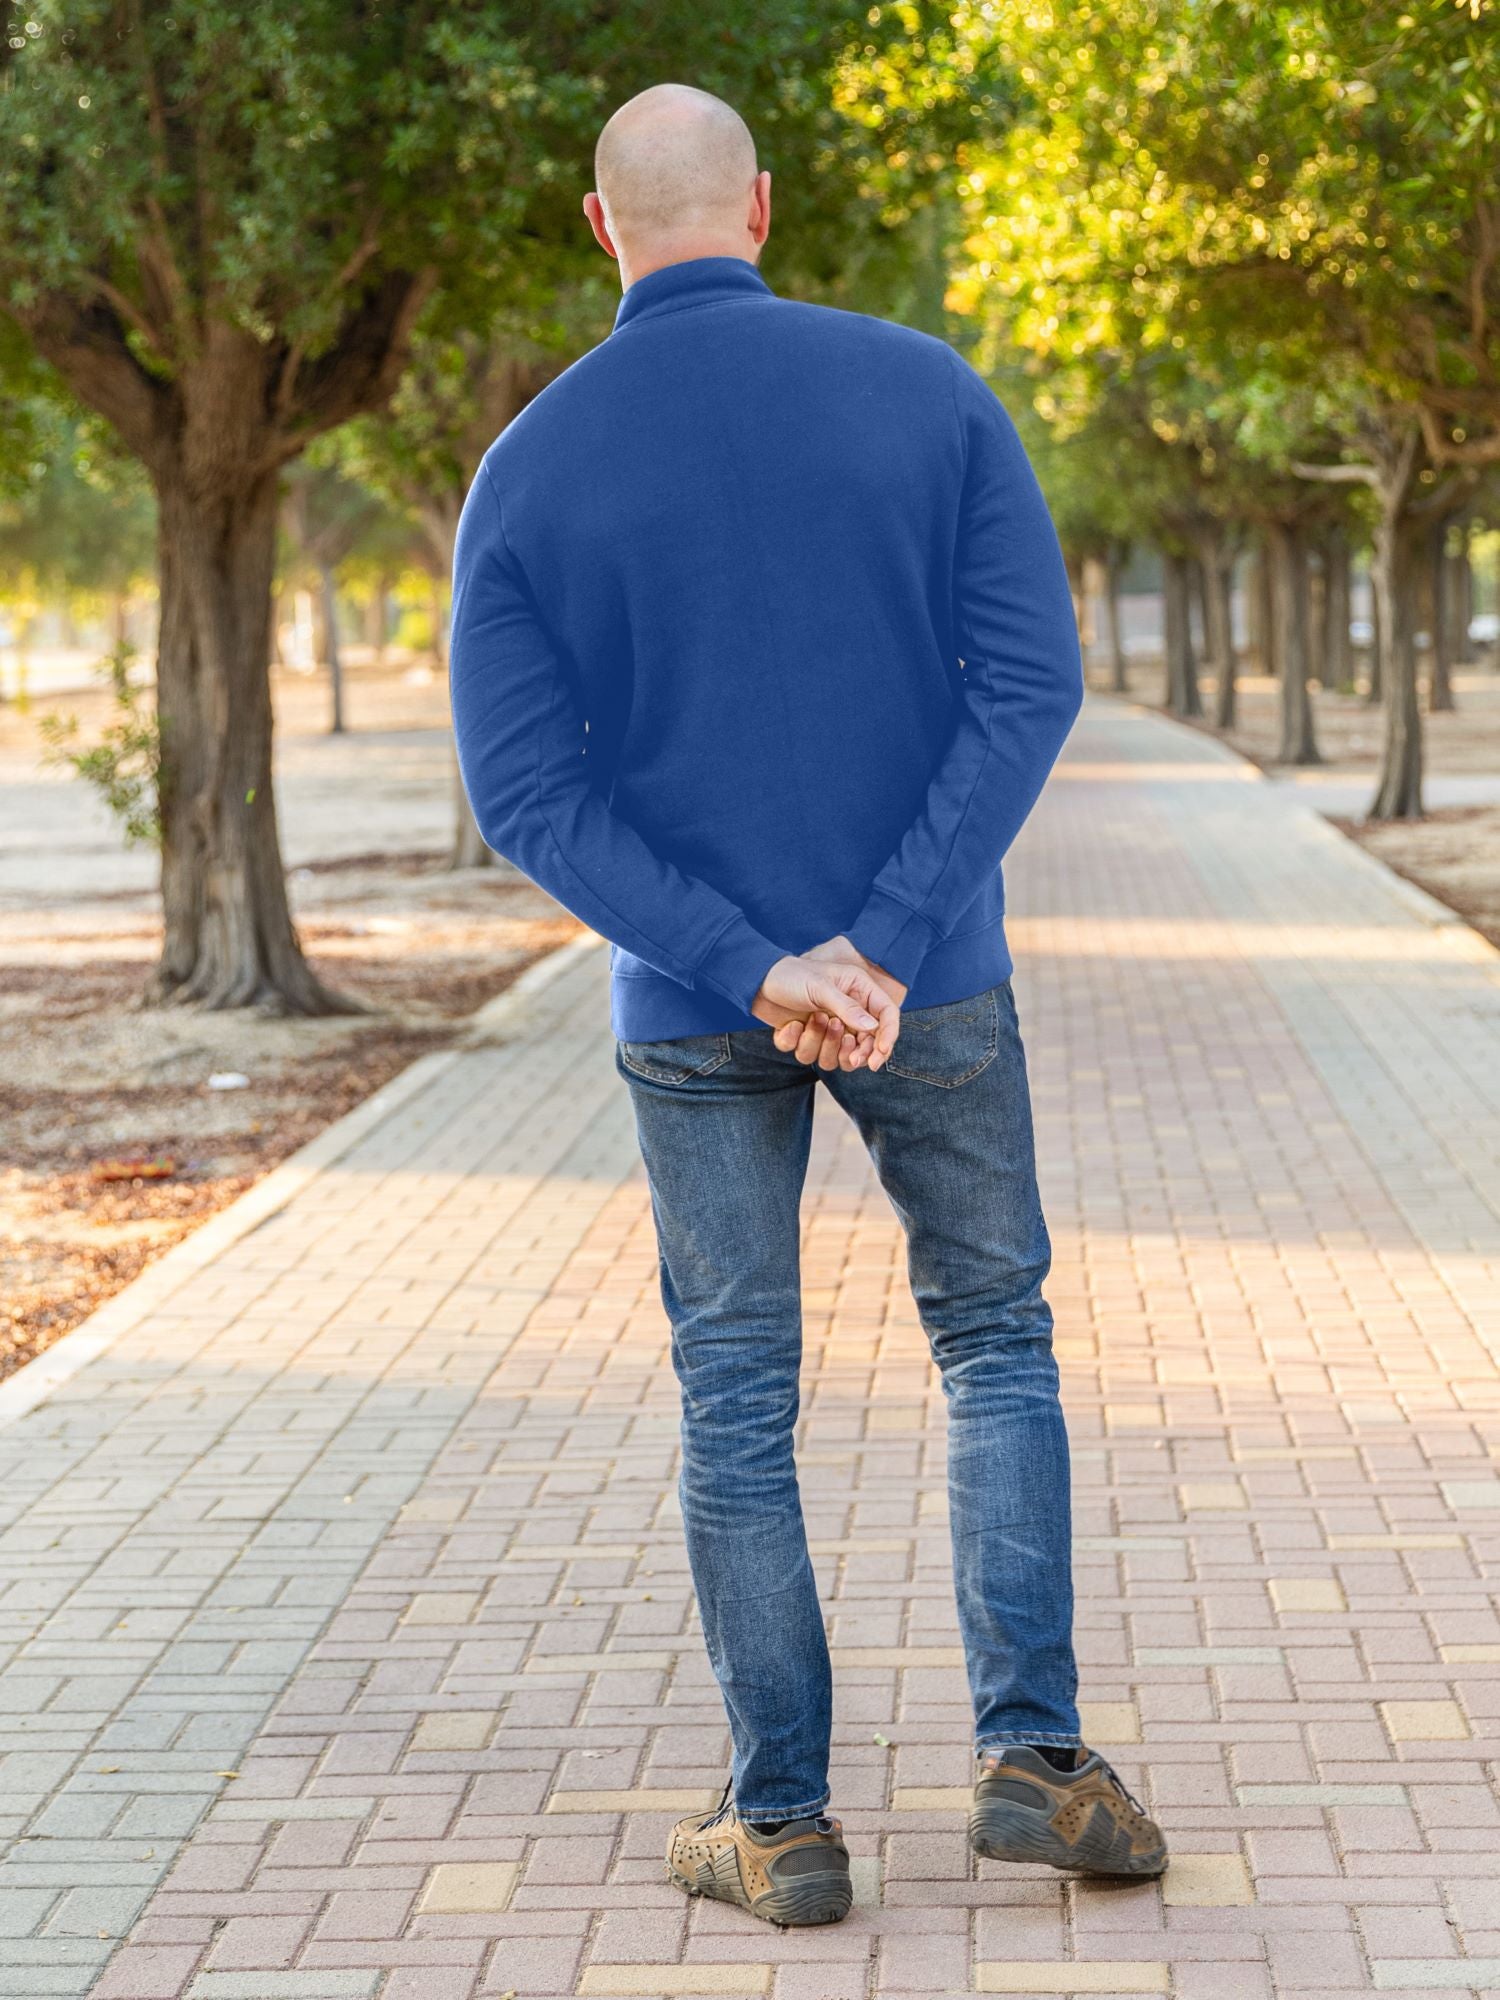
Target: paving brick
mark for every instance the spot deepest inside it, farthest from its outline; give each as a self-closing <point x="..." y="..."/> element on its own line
<point x="1207" y="1881"/>
<point x="147" y="1972"/>
<point x="1443" y="1975"/>
<point x="695" y="1978"/>
<point x="1424" y="1721"/>
<point x="320" y="1985"/>
<point x="1308" y="1593"/>
<point x="1073" y="1976"/>
<point x="457" y="1886"/>
<point x="455" y="1730"/>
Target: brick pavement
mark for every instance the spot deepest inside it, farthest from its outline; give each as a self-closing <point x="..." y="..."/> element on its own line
<point x="347" y="1647"/>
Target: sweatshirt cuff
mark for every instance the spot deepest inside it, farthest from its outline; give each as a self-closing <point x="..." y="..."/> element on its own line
<point x="892" y="936"/>
<point x="737" y="962"/>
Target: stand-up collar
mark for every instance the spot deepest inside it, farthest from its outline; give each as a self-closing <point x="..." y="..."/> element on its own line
<point x="698" y="281"/>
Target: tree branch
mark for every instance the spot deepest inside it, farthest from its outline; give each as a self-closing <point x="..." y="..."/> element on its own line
<point x="361" y="369"/>
<point x="284" y="396"/>
<point x="1337" y="475"/>
<point x="86" y="344"/>
<point x="1448" y="451"/>
<point x="126" y="311"/>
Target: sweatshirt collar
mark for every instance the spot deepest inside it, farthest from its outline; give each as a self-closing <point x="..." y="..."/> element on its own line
<point x="698" y="281"/>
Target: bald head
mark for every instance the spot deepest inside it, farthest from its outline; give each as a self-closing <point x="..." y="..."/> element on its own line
<point x="675" y="171"/>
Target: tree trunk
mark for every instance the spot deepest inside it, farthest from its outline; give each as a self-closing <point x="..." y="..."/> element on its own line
<point x="1289" y="562"/>
<point x="1074" y="566"/>
<point x="1183" y="697"/>
<point x="1200" y="618"/>
<point x="1317" y="614"/>
<point x="376" y="629"/>
<point x="1393" y="572"/>
<point x="228" y="940"/>
<point x="1461" y="597"/>
<point x="1218" y="611"/>
<point x="1375" y="686"/>
<point x="470" y="849"/>
<point x="1262" y="598"/>
<point x="330" y="597"/>
<point x="1118" y="681"/>
<point x="1440" y="624"/>
<point x="1338" y="661"/>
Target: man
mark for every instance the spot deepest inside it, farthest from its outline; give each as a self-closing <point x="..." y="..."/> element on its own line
<point x="762" y="651"/>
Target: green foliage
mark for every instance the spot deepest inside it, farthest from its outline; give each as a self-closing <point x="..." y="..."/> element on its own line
<point x="168" y="166"/>
<point x="124" y="765"/>
<point x="1302" y="194"/>
<point x="79" y="517"/>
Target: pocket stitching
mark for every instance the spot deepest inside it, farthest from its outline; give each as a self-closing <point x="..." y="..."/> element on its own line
<point x="953" y="1082"/>
<point x="652" y="1075"/>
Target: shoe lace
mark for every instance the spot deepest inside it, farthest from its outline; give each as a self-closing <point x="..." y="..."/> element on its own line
<point x="722" y="1810"/>
<point x="1120" y="1785"/>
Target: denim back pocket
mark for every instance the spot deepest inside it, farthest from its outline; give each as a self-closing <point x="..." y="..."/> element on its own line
<point x="675" y="1062"/>
<point x="947" y="1045"/>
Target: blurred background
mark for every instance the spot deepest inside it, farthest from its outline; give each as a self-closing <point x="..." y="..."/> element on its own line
<point x="270" y="282"/>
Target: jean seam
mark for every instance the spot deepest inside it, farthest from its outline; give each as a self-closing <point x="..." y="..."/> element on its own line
<point x="1017" y="1739"/>
<point x="760" y="1813"/>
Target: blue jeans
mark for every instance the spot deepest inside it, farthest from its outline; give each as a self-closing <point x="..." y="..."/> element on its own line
<point x="725" y="1123"/>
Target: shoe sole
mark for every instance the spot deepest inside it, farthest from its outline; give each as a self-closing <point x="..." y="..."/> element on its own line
<point x="1003" y="1831"/>
<point x="823" y="1898"/>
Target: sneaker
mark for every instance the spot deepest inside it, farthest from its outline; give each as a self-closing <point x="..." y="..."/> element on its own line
<point x="1024" y="1810"/>
<point x="797" y="1875"/>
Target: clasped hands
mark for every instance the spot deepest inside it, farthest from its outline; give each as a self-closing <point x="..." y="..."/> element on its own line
<point x="832" y="1006"/>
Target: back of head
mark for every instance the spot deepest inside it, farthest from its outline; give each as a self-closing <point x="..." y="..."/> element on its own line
<point x="673" y="163"/>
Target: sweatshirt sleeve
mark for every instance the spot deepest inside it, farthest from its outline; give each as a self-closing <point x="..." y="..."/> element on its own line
<point x="522" y="752"/>
<point x="1022" y="686"/>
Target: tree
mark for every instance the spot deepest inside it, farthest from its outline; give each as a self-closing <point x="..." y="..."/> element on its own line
<point x="457" y="396"/>
<point x="224" y="223"/>
<point x="325" y="517"/>
<point x="1317" y="179"/>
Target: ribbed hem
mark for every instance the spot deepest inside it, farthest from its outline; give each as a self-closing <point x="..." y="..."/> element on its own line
<point x="737" y="962"/>
<point x="892" y="936"/>
<point x="647" y="1006"/>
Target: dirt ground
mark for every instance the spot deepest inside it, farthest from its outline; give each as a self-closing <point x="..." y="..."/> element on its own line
<point x="114" y="1142"/>
<point x="1454" y="853"/>
<point x="1464" y="740"/>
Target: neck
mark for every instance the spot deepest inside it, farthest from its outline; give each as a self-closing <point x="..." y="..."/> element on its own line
<point x="643" y="259"/>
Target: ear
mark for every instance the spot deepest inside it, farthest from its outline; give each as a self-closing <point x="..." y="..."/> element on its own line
<point x="758" y="221"/>
<point x="593" y="208"/>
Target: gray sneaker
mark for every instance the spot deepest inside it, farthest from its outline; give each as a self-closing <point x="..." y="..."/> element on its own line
<point x="1024" y="1810"/>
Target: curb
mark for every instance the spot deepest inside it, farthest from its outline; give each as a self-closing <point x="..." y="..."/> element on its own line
<point x="30" y="1385"/>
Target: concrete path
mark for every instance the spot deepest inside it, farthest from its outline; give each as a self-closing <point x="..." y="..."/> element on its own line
<point x="347" y="1645"/>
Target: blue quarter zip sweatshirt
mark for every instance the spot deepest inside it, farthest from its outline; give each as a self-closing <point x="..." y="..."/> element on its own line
<point x="761" y="633"/>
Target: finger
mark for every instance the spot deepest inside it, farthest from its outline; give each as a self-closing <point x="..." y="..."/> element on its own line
<point x="788" y="1035"/>
<point x="884" y="1010"/>
<point x="855" y="1052"/>
<point x="888" y="1015"/>
<point x="833" y="1041"/>
<point x="839" y="995"/>
<point x="811" y="1038"/>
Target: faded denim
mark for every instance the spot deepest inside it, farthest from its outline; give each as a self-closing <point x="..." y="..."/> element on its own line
<point x="725" y="1122"/>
